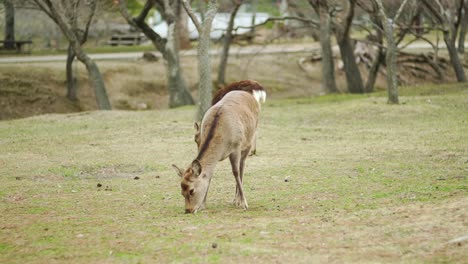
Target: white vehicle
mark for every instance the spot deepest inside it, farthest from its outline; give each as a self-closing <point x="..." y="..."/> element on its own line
<point x="219" y="26"/>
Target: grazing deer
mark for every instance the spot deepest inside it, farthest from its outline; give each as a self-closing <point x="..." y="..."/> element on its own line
<point x="227" y="130"/>
<point x="249" y="86"/>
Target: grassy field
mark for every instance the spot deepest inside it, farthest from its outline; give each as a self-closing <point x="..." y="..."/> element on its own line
<point x="341" y="179"/>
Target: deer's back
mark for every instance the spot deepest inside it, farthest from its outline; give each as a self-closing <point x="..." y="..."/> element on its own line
<point x="229" y="124"/>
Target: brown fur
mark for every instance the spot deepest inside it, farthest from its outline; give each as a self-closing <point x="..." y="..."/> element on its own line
<point x="244" y="85"/>
<point x="209" y="135"/>
<point x="227" y="130"/>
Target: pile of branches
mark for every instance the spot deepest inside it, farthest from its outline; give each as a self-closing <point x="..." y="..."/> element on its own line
<point x="412" y="67"/>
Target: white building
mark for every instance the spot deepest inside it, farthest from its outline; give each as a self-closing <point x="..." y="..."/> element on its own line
<point x="220" y="24"/>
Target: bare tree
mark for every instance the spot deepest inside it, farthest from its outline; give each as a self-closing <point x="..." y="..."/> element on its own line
<point x="342" y="34"/>
<point x="391" y="54"/>
<point x="227" y="43"/>
<point x="66" y="14"/>
<point x="325" y="12"/>
<point x="82" y="37"/>
<point x="179" y="93"/>
<point x="447" y="15"/>
<point x="379" y="56"/>
<point x="204" y="63"/>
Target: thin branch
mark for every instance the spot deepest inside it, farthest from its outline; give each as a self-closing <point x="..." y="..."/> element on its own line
<point x="459" y="16"/>
<point x="144" y="12"/>
<point x="140" y="23"/>
<point x="434" y="11"/>
<point x="92" y="7"/>
<point x="312" y="22"/>
<point x="45" y="8"/>
<point x="124" y="12"/>
<point x="192" y="15"/>
<point x="407" y="44"/>
<point x="349" y="17"/>
<point x="400" y="10"/>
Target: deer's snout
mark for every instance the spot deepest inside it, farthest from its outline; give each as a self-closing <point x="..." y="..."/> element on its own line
<point x="191" y="211"/>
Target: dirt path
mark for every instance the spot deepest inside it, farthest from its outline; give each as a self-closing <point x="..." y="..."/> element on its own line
<point x="235" y="50"/>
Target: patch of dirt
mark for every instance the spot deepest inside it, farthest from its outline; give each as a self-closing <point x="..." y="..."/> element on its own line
<point x="431" y="232"/>
<point x="28" y="95"/>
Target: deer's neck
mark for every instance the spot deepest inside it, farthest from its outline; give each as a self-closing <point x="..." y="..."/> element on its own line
<point x="208" y="166"/>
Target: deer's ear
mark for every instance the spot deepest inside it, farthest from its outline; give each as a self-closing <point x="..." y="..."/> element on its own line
<point x="196" y="168"/>
<point x="196" y="126"/>
<point x="179" y="171"/>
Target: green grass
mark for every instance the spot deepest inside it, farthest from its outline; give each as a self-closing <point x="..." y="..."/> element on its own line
<point x="367" y="182"/>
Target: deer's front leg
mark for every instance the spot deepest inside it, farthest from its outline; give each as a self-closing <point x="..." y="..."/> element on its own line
<point x="203" y="206"/>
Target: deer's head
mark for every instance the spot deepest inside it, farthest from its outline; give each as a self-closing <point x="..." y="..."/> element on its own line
<point x="194" y="184"/>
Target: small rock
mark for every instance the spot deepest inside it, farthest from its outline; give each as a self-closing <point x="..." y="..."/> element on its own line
<point x="142" y="106"/>
<point x="80" y="236"/>
<point x="149" y="56"/>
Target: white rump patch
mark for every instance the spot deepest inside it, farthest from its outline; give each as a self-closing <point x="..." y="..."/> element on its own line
<point x="259" y="95"/>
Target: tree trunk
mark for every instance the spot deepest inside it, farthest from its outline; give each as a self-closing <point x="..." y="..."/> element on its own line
<point x="378" y="58"/>
<point x="253" y="5"/>
<point x="204" y="62"/>
<point x="454" y="58"/>
<point x="226" y="45"/>
<point x="71" y="80"/>
<point x="390" y="56"/>
<point x="328" y="66"/>
<point x="9" y="25"/>
<point x="204" y="70"/>
<point x="463" y="28"/>
<point x="178" y="92"/>
<point x="95" y="78"/>
<point x="351" y="69"/>
<point x="374" y="70"/>
<point x="182" y="29"/>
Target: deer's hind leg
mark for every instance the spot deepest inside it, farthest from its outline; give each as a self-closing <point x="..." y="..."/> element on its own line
<point x="253" y="150"/>
<point x="236" y="159"/>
